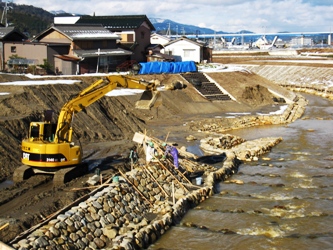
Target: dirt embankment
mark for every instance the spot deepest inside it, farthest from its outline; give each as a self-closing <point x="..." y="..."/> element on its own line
<point x="115" y="118"/>
<point x="105" y="131"/>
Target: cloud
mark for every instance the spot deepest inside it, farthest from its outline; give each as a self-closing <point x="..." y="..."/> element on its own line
<point x="226" y="15"/>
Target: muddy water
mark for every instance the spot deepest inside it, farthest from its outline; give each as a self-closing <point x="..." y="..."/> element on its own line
<point x="284" y="203"/>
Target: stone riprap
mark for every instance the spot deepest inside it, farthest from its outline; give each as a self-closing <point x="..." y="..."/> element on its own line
<point x="292" y="112"/>
<point x="129" y="214"/>
<point x="294" y="75"/>
<point x="245" y="151"/>
<point x="134" y="212"/>
<point x="325" y="91"/>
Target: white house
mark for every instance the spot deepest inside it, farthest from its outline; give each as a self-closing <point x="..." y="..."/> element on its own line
<point x="184" y="49"/>
<point x="159" y="39"/>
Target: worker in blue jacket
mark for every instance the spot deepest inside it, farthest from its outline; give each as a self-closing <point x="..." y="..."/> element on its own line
<point x="171" y="150"/>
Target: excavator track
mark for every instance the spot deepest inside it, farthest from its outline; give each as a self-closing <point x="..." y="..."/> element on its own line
<point x="67" y="174"/>
<point x="22" y="173"/>
<point x="60" y="177"/>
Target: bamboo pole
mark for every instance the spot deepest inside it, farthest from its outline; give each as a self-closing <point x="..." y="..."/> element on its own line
<point x="160" y="150"/>
<point x="173" y="193"/>
<point x="49" y="217"/>
<point x="4" y="226"/>
<point x="123" y="175"/>
<point x="166" y="138"/>
<point x="150" y="174"/>
<point x="178" y="171"/>
<point x="184" y="177"/>
<point x="172" y="175"/>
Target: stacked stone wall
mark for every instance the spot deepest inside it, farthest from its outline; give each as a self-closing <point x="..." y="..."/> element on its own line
<point x="293" y="111"/>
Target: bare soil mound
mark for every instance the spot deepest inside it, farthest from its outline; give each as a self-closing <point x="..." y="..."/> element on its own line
<point x="105" y="132"/>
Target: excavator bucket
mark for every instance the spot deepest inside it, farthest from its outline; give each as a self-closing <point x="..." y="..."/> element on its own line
<point x="149" y="99"/>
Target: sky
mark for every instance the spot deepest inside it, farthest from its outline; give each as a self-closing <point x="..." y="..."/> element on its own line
<point x="259" y="16"/>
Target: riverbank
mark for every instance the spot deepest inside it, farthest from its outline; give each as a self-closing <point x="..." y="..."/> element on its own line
<point x="139" y="206"/>
<point x="181" y="113"/>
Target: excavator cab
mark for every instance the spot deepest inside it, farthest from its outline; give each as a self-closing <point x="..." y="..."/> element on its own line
<point x="42" y="131"/>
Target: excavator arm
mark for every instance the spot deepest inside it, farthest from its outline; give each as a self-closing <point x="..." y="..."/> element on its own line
<point x="49" y="148"/>
<point x="90" y="95"/>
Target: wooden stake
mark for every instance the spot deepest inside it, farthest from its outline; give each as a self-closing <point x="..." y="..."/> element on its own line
<point x="173" y="193"/>
<point x="172" y="175"/>
<point x="123" y="175"/>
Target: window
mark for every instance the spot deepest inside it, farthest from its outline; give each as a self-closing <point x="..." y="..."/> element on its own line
<point x="130" y="38"/>
<point x="142" y="35"/>
<point x="13" y="49"/>
<point x="188" y="52"/>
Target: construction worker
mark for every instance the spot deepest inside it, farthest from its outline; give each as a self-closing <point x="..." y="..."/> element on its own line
<point x="133" y="156"/>
<point x="171" y="150"/>
<point x="151" y="152"/>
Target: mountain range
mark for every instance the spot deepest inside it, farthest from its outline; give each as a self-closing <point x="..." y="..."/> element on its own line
<point x="162" y="26"/>
<point x="33" y="20"/>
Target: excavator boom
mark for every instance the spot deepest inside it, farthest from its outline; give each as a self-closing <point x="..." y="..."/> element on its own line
<point x="49" y="147"/>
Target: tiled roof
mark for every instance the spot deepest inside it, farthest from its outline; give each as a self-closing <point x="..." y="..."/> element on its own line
<point x="102" y="52"/>
<point x="81" y="32"/>
<point x="86" y="32"/>
<point x="117" y="22"/>
<point x="5" y="31"/>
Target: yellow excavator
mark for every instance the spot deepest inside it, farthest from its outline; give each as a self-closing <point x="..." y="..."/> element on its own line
<point x="49" y="148"/>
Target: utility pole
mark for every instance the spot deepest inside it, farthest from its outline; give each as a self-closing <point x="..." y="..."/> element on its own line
<point x="4" y="13"/>
<point x="168" y="31"/>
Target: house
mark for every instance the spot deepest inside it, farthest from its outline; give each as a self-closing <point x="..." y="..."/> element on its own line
<point x="134" y="31"/>
<point x="89" y="48"/>
<point x="159" y="39"/>
<point x="85" y="44"/>
<point x="20" y="55"/>
<point x="8" y="35"/>
<point x="184" y="49"/>
<point x="153" y="52"/>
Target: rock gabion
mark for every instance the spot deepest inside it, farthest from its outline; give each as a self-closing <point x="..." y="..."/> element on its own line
<point x="244" y="150"/>
<point x="292" y="112"/>
<point x="135" y="211"/>
<point x="118" y="215"/>
<point x="325" y="91"/>
<point x="225" y="141"/>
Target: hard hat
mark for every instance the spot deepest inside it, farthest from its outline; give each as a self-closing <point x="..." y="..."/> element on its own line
<point x="151" y="144"/>
<point x="164" y="144"/>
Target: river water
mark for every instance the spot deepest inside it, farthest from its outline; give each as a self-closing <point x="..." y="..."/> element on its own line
<point x="285" y="202"/>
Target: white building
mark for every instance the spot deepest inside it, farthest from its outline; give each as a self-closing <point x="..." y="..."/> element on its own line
<point x="184" y="49"/>
<point x="159" y="39"/>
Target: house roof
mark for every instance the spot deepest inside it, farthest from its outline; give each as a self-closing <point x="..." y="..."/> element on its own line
<point x="154" y="46"/>
<point x="102" y="52"/>
<point x="7" y="32"/>
<point x="183" y="39"/>
<point x="127" y="22"/>
<point x="81" y="32"/>
<point x="161" y="55"/>
<point x="160" y="36"/>
<point x="68" y="58"/>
